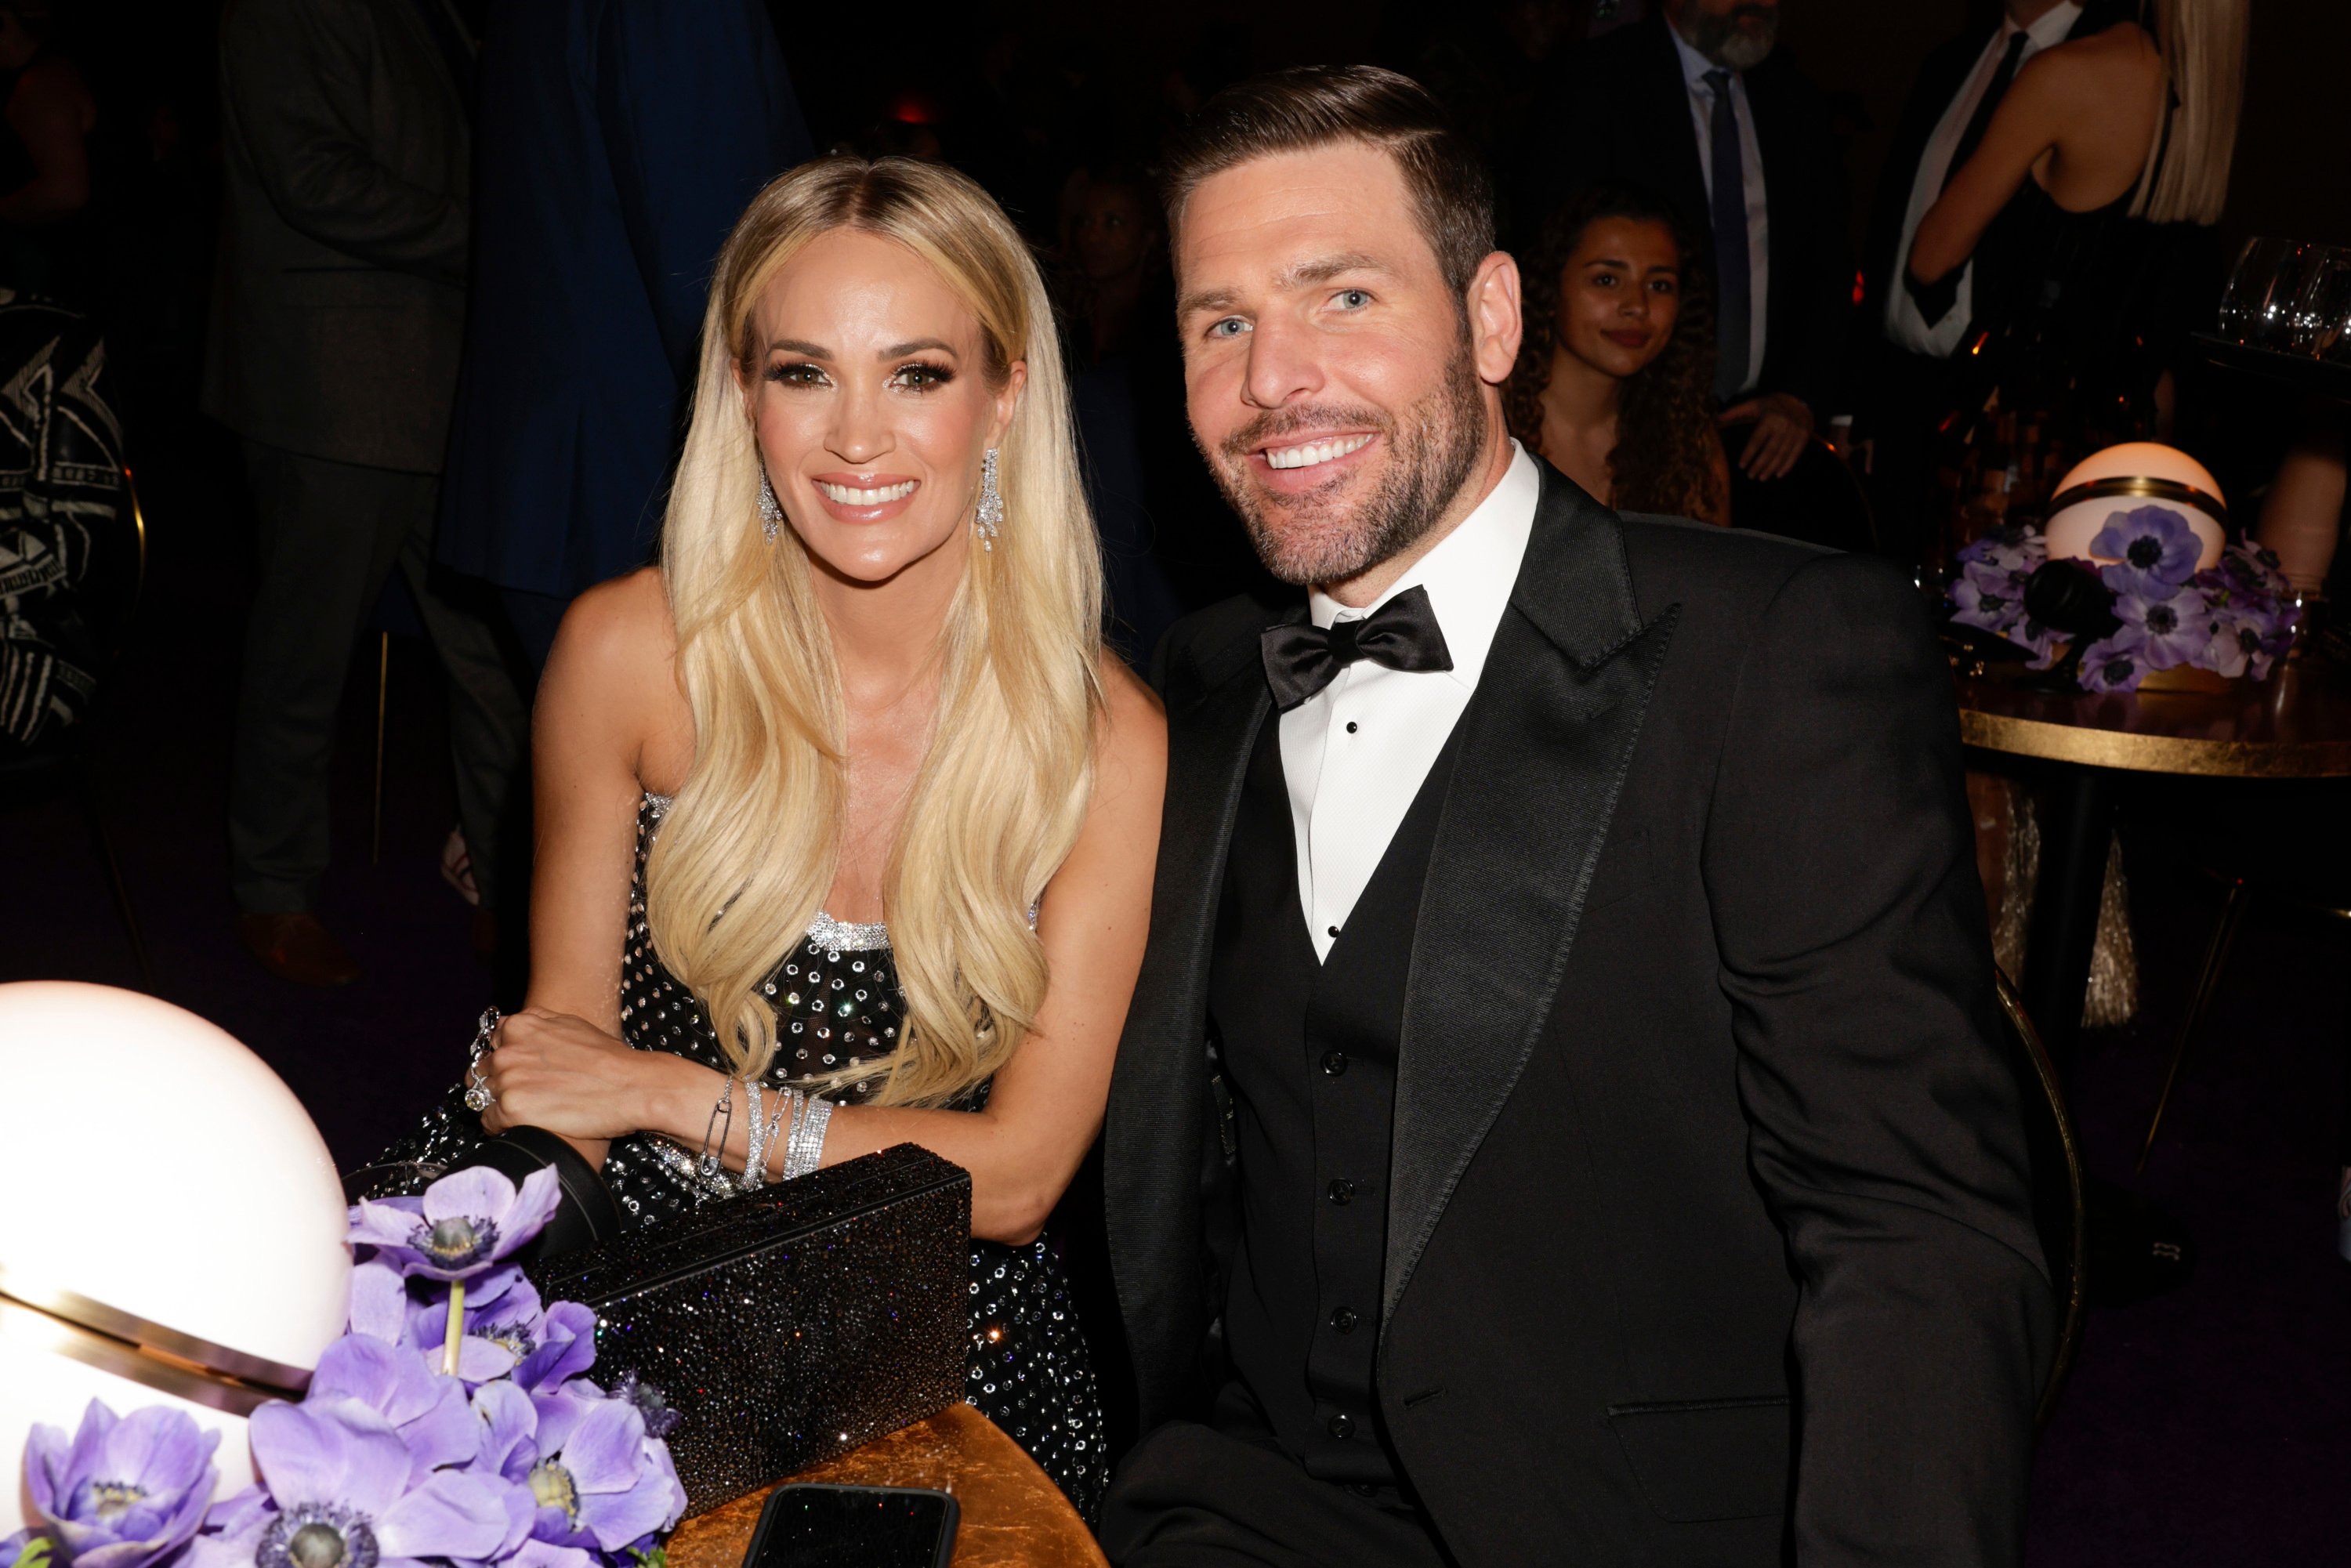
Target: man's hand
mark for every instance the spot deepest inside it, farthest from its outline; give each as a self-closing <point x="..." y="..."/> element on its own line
<point x="1783" y="424"/>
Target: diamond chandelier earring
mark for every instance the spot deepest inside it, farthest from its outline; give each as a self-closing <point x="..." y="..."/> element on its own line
<point x="991" y="516"/>
<point x="771" y="511"/>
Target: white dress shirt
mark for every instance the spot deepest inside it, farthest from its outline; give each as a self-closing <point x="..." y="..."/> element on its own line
<point x="1905" y="327"/>
<point x="1750" y="171"/>
<point x="1356" y="753"/>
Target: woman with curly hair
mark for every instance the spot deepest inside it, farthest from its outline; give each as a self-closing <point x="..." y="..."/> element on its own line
<point x="1615" y="370"/>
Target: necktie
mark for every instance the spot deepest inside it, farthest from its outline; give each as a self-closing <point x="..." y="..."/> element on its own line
<point x="1972" y="136"/>
<point x="1734" y="306"/>
<point x="1401" y="634"/>
<point x="1935" y="300"/>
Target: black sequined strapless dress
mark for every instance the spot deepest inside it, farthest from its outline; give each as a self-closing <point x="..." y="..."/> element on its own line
<point x="837" y="1001"/>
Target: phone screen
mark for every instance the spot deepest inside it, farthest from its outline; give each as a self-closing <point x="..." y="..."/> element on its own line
<point x="808" y="1526"/>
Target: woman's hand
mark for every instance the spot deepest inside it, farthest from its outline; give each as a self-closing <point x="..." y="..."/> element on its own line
<point x="551" y="1070"/>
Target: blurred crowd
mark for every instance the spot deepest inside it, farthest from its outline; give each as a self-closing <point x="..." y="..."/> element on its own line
<point x="438" y="268"/>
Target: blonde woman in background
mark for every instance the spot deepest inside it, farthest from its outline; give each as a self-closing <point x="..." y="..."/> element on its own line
<point x="845" y="796"/>
<point x="2119" y="144"/>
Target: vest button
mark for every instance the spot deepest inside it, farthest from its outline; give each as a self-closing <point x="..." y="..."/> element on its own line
<point x="1343" y="1318"/>
<point x="1343" y="1192"/>
<point x="1334" y="1062"/>
<point x="1342" y="1426"/>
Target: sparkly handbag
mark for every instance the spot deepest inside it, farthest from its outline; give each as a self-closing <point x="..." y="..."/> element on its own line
<point x="791" y="1324"/>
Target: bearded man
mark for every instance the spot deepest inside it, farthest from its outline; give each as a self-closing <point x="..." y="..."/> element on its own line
<point x="1561" y="1117"/>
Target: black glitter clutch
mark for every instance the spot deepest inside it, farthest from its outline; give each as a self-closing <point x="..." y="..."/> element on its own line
<point x="790" y="1324"/>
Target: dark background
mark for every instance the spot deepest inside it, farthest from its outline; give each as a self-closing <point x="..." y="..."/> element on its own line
<point x="2206" y="1426"/>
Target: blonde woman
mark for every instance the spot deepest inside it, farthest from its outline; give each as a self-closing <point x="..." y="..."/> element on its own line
<point x="2116" y="146"/>
<point x="846" y="795"/>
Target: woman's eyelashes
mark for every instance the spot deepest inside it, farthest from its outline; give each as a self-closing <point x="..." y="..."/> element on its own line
<point x="922" y="375"/>
<point x="914" y="375"/>
<point x="797" y="373"/>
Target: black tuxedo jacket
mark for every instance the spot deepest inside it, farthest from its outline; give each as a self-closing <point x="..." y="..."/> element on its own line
<point x="1708" y="1221"/>
<point x="1940" y="77"/>
<point x="1619" y="110"/>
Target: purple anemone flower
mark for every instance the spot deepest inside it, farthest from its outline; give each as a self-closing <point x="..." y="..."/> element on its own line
<point x="661" y="1418"/>
<point x="468" y="1221"/>
<point x="2171" y="631"/>
<point x="2007" y="550"/>
<point x="123" y="1491"/>
<point x="2113" y="663"/>
<point x="1988" y="598"/>
<point x="600" y="1481"/>
<point x="427" y="1409"/>
<point x="341" y="1494"/>
<point x="2155" y="549"/>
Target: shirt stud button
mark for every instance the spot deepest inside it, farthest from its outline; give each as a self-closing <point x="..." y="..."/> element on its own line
<point x="1343" y="1320"/>
<point x="1342" y="1426"/>
<point x="1343" y="1192"/>
<point x="1351" y="727"/>
<point x="1334" y="1062"/>
<point x="1334" y="931"/>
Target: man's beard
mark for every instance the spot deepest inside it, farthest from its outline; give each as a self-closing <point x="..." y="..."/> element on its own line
<point x="1721" y="39"/>
<point x="1314" y="538"/>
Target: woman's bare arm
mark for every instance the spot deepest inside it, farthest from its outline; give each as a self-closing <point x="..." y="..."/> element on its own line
<point x="2079" y="117"/>
<point x="608" y="717"/>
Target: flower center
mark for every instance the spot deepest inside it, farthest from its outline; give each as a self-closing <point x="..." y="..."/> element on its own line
<point x="2146" y="551"/>
<point x="2162" y="619"/>
<point x="107" y="1501"/>
<point x="552" y="1487"/>
<point x="320" y="1535"/>
<point x="515" y="1337"/>
<point x="456" y="1241"/>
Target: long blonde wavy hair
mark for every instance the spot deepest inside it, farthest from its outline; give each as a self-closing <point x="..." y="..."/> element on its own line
<point x="749" y="847"/>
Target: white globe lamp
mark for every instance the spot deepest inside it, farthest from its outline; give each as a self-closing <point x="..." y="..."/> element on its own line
<point x="172" y="1227"/>
<point x="2123" y="479"/>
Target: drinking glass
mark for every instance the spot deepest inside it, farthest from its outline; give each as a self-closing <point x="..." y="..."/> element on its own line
<point x="2249" y="281"/>
<point x="2257" y="307"/>
<point x="2320" y="323"/>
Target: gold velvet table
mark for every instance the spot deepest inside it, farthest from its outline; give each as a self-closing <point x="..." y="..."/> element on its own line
<point x="1013" y="1515"/>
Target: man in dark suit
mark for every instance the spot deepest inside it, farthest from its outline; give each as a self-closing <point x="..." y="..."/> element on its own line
<point x="1691" y="94"/>
<point x="1909" y="341"/>
<point x="619" y="141"/>
<point x="1561" y="1116"/>
<point x="338" y="307"/>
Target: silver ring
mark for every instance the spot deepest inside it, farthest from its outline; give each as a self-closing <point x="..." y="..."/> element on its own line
<point x="478" y="1097"/>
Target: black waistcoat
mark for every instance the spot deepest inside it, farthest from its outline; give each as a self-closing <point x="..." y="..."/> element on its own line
<point x="1308" y="1053"/>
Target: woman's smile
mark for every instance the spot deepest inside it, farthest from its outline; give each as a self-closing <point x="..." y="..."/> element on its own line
<point x="864" y="497"/>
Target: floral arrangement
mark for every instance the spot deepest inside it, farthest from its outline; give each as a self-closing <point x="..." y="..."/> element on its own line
<point x="2150" y="611"/>
<point x="454" y="1424"/>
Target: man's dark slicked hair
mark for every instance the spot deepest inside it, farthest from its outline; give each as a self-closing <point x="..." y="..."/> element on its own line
<point x="1311" y="107"/>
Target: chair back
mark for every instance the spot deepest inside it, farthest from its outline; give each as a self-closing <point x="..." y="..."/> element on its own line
<point x="2057" y="1203"/>
<point x="1820" y="501"/>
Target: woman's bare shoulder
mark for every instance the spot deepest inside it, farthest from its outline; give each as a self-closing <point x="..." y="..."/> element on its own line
<point x="2117" y="57"/>
<point x="615" y="664"/>
<point x="620" y="627"/>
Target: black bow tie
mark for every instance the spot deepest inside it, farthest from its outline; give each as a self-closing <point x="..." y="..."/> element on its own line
<point x="1401" y="634"/>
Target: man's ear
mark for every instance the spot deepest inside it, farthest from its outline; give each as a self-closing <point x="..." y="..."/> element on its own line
<point x="1494" y="319"/>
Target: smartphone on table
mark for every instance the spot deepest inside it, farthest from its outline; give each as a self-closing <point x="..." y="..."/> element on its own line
<point x="811" y="1526"/>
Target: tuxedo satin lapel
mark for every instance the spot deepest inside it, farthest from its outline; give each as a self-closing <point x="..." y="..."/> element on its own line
<point x="1155" y="1127"/>
<point x="1549" y="736"/>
